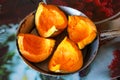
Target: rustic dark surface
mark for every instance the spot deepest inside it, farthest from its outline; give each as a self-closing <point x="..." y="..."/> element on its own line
<point x="13" y="11"/>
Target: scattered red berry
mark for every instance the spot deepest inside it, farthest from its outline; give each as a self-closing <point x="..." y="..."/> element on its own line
<point x="115" y="64"/>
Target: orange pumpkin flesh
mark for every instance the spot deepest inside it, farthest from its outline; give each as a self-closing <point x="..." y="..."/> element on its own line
<point x="34" y="48"/>
<point x="50" y="20"/>
<point x="66" y="58"/>
<point x="81" y="30"/>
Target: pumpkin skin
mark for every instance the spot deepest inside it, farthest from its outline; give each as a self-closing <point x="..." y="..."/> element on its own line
<point x="66" y="58"/>
<point x="35" y="48"/>
<point x="81" y="30"/>
<point x="50" y="20"/>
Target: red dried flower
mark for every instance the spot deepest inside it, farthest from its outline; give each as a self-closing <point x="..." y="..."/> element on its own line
<point x="100" y="3"/>
<point x="97" y="3"/>
<point x="106" y="11"/>
<point x="115" y="64"/>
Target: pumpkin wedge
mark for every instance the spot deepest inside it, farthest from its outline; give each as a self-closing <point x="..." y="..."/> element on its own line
<point x="50" y="20"/>
<point x="67" y="58"/>
<point x="35" y="48"/>
<point x="81" y="30"/>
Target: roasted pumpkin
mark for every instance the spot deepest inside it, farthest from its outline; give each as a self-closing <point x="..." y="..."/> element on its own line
<point x="67" y="57"/>
<point x="50" y="20"/>
<point x="35" y="48"/>
<point x="81" y="30"/>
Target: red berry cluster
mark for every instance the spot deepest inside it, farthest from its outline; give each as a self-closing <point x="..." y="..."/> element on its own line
<point x="94" y="9"/>
<point x="115" y="64"/>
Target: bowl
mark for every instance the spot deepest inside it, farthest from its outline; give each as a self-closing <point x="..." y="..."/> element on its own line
<point x="27" y="25"/>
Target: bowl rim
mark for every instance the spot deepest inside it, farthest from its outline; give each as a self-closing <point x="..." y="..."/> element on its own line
<point x="109" y="18"/>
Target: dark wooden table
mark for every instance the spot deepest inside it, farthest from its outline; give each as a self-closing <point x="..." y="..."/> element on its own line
<point x="12" y="11"/>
